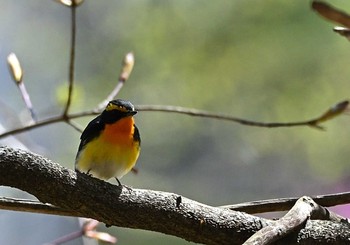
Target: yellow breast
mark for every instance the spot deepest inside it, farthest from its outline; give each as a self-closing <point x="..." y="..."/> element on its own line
<point x="113" y="153"/>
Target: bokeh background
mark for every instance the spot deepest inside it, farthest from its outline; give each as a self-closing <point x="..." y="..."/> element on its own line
<point x="258" y="60"/>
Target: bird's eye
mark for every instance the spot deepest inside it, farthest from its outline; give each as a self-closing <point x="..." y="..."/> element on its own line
<point x="122" y="108"/>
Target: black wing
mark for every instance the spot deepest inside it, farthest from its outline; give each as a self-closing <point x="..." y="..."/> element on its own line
<point x="92" y="130"/>
<point x="137" y="135"/>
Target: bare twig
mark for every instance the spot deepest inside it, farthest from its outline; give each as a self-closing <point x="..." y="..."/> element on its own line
<point x="66" y="238"/>
<point x="33" y="206"/>
<point x="283" y="204"/>
<point x="73" y="7"/>
<point x="17" y="75"/>
<point x="51" y="120"/>
<point x="206" y="114"/>
<point x="75" y="125"/>
<point x="127" y="66"/>
<point x="88" y="229"/>
<point x="27" y="101"/>
<point x="335" y="110"/>
<point x="331" y="13"/>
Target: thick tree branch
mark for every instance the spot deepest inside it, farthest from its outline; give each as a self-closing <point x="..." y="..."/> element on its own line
<point x="144" y="209"/>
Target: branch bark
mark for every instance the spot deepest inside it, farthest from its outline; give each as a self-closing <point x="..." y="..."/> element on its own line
<point x="145" y="209"/>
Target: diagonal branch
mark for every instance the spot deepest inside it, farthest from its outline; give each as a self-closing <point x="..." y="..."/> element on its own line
<point x="294" y="219"/>
<point x="127" y="66"/>
<point x="304" y="208"/>
<point x="48" y="121"/>
<point x="79" y="194"/>
<point x="331" y="13"/>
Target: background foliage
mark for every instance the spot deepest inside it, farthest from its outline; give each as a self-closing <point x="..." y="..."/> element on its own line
<point x="265" y="61"/>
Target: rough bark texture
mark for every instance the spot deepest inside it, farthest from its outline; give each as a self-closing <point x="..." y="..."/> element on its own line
<point x="145" y="209"/>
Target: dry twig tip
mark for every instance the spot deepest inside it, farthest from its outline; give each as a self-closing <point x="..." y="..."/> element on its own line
<point x="15" y="68"/>
<point x="128" y="65"/>
<point x="71" y="3"/>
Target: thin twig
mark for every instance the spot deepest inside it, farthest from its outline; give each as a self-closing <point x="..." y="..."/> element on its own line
<point x="333" y="111"/>
<point x="33" y="206"/>
<point x="66" y="238"/>
<point x="206" y="114"/>
<point x="110" y="97"/>
<point x="88" y="229"/>
<point x="283" y="204"/>
<point x="127" y="66"/>
<point x="17" y="75"/>
<point x="75" y="125"/>
<point x="331" y="13"/>
<point x="48" y="121"/>
<point x="27" y="101"/>
<point x="72" y="59"/>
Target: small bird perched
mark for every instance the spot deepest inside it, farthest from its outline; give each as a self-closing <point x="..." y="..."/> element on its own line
<point x="110" y="144"/>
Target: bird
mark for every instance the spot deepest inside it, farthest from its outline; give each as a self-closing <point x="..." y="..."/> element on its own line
<point x="110" y="144"/>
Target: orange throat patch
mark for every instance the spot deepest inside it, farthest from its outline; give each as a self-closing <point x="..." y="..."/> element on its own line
<point x="119" y="132"/>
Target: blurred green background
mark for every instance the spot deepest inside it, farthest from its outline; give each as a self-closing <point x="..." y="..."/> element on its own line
<point x="259" y="60"/>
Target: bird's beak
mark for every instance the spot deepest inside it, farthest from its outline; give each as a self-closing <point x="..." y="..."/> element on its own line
<point x="131" y="113"/>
